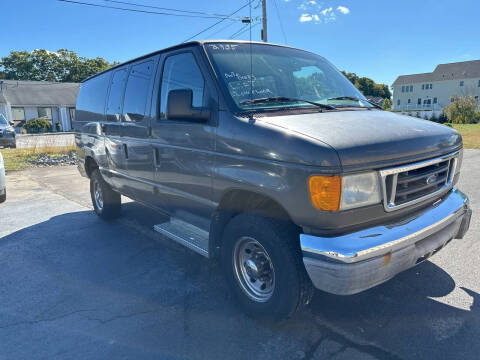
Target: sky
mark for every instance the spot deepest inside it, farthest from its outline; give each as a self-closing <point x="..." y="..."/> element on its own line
<point x="379" y="39"/>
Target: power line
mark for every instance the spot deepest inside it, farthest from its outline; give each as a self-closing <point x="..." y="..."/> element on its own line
<point x="244" y="28"/>
<point x="221" y="29"/>
<point x="163" y="8"/>
<point x="243" y="31"/>
<point x="147" y="11"/>
<point x="218" y="22"/>
<point x="280" y="21"/>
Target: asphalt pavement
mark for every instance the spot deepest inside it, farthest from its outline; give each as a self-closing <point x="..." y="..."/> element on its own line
<point x="75" y="287"/>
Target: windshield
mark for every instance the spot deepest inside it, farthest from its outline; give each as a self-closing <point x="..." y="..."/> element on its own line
<point x="258" y="71"/>
<point x="2" y="120"/>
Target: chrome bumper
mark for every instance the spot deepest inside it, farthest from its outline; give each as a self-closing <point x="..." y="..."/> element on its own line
<point x="351" y="263"/>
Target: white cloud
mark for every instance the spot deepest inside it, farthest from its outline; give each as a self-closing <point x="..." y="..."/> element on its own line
<point x="325" y="12"/>
<point x="313" y="11"/>
<point x="305" y="18"/>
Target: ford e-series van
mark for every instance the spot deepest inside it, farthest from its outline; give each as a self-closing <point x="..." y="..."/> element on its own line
<point x="268" y="158"/>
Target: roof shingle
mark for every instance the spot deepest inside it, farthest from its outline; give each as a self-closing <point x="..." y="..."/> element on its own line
<point x="452" y="71"/>
<point x="39" y="93"/>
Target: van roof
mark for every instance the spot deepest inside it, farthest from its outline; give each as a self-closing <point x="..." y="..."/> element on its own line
<point x="179" y="46"/>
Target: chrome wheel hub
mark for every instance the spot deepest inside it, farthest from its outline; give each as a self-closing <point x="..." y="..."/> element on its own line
<point x="97" y="192"/>
<point x="253" y="269"/>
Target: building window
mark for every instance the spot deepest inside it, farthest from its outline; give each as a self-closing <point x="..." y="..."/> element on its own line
<point x="434" y="100"/>
<point x="18" y="114"/>
<point x="403" y="88"/>
<point x="478" y="83"/>
<point x="461" y="83"/>
<point x="411" y="88"/>
<point x="419" y="102"/>
<point x="409" y="101"/>
<point x="430" y="86"/>
<point x="398" y="102"/>
<point x="423" y="86"/>
<point x="476" y="98"/>
<point x="45" y="112"/>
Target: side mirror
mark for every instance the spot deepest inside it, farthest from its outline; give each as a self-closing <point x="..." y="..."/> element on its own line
<point x="179" y="107"/>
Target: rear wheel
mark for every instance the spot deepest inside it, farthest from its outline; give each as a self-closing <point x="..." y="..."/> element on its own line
<point x="106" y="202"/>
<point x="263" y="264"/>
<point x="3" y="197"/>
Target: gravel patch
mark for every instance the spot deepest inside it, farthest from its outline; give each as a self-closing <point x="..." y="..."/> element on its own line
<point x="47" y="160"/>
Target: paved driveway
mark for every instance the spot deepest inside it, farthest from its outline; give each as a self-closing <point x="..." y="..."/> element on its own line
<point x="75" y="287"/>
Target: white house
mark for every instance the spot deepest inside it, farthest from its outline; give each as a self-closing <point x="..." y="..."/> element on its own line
<point x="21" y="101"/>
<point x="433" y="91"/>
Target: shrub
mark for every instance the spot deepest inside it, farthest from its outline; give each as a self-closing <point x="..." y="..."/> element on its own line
<point x="37" y="125"/>
<point x="58" y="127"/>
<point x="434" y="117"/>
<point x="387" y="104"/>
<point x="442" y="118"/>
<point x="463" y="110"/>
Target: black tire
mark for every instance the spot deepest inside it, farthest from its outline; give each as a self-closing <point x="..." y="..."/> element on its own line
<point x="109" y="206"/>
<point x="3" y="197"/>
<point x="292" y="288"/>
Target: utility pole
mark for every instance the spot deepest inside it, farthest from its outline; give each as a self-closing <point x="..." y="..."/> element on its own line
<point x="264" y="20"/>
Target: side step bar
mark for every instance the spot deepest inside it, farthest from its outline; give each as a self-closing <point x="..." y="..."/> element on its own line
<point x="186" y="234"/>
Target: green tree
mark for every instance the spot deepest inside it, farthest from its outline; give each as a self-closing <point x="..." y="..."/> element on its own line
<point x="367" y="86"/>
<point x="387" y="104"/>
<point x="462" y="110"/>
<point x="43" y="65"/>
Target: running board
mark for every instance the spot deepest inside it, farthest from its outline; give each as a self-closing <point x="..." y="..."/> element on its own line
<point x="186" y="234"/>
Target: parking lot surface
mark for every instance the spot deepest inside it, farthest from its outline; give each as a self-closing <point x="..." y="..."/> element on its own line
<point x="75" y="287"/>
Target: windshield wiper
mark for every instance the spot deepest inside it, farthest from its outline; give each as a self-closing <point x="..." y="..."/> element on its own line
<point x="282" y="99"/>
<point x="354" y="99"/>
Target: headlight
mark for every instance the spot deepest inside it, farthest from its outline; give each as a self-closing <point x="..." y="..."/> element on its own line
<point x="360" y="190"/>
<point x="333" y="193"/>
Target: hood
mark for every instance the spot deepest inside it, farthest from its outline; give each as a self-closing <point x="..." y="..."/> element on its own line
<point x="373" y="138"/>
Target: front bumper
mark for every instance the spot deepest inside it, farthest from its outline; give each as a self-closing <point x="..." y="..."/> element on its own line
<point x="351" y="263"/>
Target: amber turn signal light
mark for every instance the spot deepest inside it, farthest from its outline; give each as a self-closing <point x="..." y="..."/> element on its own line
<point x="325" y="192"/>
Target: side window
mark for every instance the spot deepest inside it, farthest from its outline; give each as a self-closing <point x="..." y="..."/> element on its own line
<point x="136" y="92"/>
<point x="91" y="98"/>
<point x="115" y="96"/>
<point x="181" y="72"/>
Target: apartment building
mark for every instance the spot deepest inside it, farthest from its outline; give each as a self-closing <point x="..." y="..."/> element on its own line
<point x="433" y="91"/>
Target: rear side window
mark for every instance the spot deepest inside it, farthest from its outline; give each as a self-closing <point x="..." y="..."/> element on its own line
<point x="136" y="92"/>
<point x="181" y="72"/>
<point x="114" y="103"/>
<point x="91" y="98"/>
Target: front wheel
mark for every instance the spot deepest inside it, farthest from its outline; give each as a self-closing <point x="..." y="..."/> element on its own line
<point x="263" y="264"/>
<point x="106" y="202"/>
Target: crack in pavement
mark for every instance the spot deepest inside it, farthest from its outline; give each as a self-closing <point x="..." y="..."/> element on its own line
<point x="311" y="351"/>
<point x="365" y="347"/>
<point x="38" y="321"/>
<point x="118" y="317"/>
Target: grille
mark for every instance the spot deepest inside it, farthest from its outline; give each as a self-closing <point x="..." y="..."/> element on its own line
<point x="409" y="184"/>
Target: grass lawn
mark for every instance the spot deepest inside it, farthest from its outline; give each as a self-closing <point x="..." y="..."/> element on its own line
<point x="16" y="159"/>
<point x="470" y="134"/>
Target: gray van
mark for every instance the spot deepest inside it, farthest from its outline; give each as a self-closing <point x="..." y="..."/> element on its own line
<point x="267" y="158"/>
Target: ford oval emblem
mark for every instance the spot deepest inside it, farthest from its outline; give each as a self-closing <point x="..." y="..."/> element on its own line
<point x="431" y="179"/>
